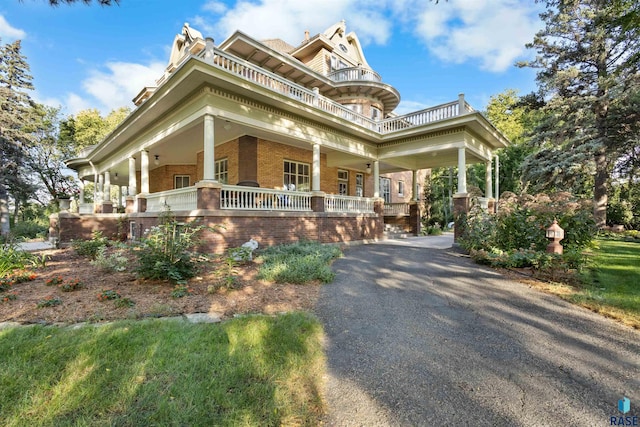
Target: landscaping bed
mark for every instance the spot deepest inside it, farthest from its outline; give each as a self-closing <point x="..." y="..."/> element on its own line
<point x="148" y="298"/>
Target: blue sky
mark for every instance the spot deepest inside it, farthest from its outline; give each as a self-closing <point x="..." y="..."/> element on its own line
<point x="101" y="57"/>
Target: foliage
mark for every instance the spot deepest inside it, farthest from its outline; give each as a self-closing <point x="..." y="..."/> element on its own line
<point x="256" y="370"/>
<point x="10" y="296"/>
<point x="521" y="222"/>
<point x="29" y="230"/>
<point x="165" y="251"/>
<point x="587" y="57"/>
<point x="300" y="262"/>
<point x="71" y="285"/>
<point x="115" y="261"/>
<point x="90" y="248"/>
<point x="50" y="301"/>
<point x="124" y="302"/>
<point x="108" y="294"/>
<point x="55" y="281"/>
<point x="438" y="192"/>
<point x="180" y="291"/>
<point x="12" y="258"/>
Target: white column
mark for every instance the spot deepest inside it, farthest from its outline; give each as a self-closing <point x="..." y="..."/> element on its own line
<point x="209" y="173"/>
<point x="462" y="106"/>
<point x="144" y="172"/>
<point x="462" y="171"/>
<point x="99" y="189"/>
<point x="132" y="176"/>
<point x="119" y="196"/>
<point x="414" y="183"/>
<point x="497" y="178"/>
<point x="488" y="181"/>
<point x="81" y="197"/>
<point x="107" y="187"/>
<point x="315" y="168"/>
<point x="376" y="178"/>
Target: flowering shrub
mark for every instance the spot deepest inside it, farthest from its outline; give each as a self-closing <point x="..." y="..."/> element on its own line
<point x="71" y="285"/>
<point x="124" y="302"/>
<point x="115" y="261"/>
<point x="24" y="276"/>
<point x="9" y="297"/>
<point x="108" y="294"/>
<point x="5" y="284"/>
<point x="54" y="281"/>
<point x="181" y="291"/>
<point x="49" y="301"/>
<point x="89" y="248"/>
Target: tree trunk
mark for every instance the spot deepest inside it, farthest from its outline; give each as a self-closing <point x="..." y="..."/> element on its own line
<point x="600" y="189"/>
<point x="4" y="211"/>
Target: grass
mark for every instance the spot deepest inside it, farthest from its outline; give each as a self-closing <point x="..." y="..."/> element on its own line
<point x="300" y="262"/>
<point x="612" y="286"/>
<point x="254" y="370"/>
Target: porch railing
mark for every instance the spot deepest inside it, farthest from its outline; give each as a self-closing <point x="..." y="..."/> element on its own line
<point x="85" y="208"/>
<point x="354" y="74"/>
<point x="180" y="199"/>
<point x="339" y="203"/>
<point x="396" y="208"/>
<point x="259" y="76"/>
<point x="249" y="198"/>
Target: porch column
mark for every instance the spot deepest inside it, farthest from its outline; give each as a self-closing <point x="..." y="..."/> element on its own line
<point x="462" y="171"/>
<point x="144" y="172"/>
<point x="497" y="178"/>
<point x="107" y="187"/>
<point x="414" y="191"/>
<point x="315" y="168"/>
<point x="132" y="176"/>
<point x="99" y="189"/>
<point x="209" y="173"/>
<point x="488" y="181"/>
<point x="376" y="178"/>
<point x="81" y="196"/>
<point x="119" y="195"/>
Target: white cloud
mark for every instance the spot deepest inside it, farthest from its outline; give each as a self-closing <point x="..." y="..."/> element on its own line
<point x="216" y="7"/>
<point x="493" y="32"/>
<point x="116" y="85"/>
<point x="9" y="32"/>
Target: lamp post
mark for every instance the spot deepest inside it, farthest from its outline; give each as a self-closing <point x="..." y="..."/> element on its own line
<point x="554" y="233"/>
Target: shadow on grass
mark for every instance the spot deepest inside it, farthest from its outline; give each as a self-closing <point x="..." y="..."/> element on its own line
<point x="249" y="371"/>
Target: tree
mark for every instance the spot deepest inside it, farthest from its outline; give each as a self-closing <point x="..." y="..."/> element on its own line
<point x="587" y="56"/>
<point x="15" y="103"/>
<point x="88" y="127"/>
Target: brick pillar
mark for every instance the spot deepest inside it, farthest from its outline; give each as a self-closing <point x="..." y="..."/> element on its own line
<point x="208" y="197"/>
<point x="129" y="204"/>
<point x="461" y="202"/>
<point x="107" y="207"/>
<point x="491" y="206"/>
<point x="317" y="201"/>
<point x="378" y="206"/>
<point x="415" y="218"/>
<point x="142" y="204"/>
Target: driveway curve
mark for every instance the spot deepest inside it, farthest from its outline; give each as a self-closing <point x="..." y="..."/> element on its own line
<point x="418" y="335"/>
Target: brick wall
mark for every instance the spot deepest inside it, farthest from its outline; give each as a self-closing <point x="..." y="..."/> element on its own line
<point x="162" y="178"/>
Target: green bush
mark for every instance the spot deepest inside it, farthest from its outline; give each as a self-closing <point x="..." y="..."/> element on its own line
<point x="300" y="262"/>
<point x="29" y="230"/>
<point x="115" y="261"/>
<point x="12" y="258"/>
<point x="165" y="252"/>
<point x="90" y="248"/>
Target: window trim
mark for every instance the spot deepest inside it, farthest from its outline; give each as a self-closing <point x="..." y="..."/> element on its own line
<point x="306" y="179"/>
<point x="343" y="181"/>
<point x="182" y="177"/>
<point x="401" y="188"/>
<point x="360" y="186"/>
<point x="218" y="174"/>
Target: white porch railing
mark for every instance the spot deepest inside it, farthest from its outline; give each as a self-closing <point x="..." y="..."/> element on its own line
<point x="354" y="74"/>
<point x="259" y="76"/>
<point x="85" y="208"/>
<point x="339" y="203"/>
<point x="250" y="198"/>
<point x="396" y="208"/>
<point x="182" y="199"/>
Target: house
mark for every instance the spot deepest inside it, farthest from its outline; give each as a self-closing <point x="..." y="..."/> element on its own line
<point x="277" y="142"/>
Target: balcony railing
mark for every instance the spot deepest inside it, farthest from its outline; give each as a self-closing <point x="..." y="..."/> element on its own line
<point x="272" y="81"/>
<point x="354" y="74"/>
<point x="181" y="199"/>
<point x="350" y="204"/>
<point x="249" y="198"/>
<point x="396" y="208"/>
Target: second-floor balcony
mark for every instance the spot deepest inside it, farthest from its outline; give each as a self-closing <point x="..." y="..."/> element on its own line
<point x="354" y="74"/>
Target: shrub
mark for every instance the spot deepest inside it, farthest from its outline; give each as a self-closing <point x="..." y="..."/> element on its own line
<point x="181" y="291"/>
<point x="108" y="294"/>
<point x="115" y="261"/>
<point x="12" y="258"/>
<point x="29" y="230"/>
<point x="90" y="248"/>
<point x="71" y="285"/>
<point x="124" y="302"/>
<point x="300" y="262"/>
<point x="49" y="301"/>
<point x="164" y="252"/>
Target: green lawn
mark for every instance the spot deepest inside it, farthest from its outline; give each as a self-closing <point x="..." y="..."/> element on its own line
<point x="256" y="370"/>
<point x="614" y="281"/>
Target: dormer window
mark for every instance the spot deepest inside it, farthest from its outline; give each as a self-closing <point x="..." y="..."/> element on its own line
<point x="344" y="48"/>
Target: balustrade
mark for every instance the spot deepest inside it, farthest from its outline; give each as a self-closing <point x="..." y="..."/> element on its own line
<point x="176" y="200"/>
<point x="249" y="198"/>
<point x="353" y="204"/>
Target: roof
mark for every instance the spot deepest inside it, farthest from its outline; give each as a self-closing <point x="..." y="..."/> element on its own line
<point x="278" y="45"/>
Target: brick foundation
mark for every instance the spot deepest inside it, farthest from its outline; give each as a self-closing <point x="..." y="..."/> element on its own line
<point x="460" y="207"/>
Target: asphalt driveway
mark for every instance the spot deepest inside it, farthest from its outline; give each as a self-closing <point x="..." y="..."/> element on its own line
<point x="418" y="335"/>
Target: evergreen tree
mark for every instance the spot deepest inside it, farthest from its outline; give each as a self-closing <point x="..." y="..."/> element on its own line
<point x="15" y="103"/>
<point x="587" y="55"/>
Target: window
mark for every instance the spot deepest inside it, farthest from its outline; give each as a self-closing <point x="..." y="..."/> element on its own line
<point x="385" y="189"/>
<point x="338" y="64"/>
<point x="222" y="171"/>
<point x="376" y="114"/>
<point x="359" y="185"/>
<point x="356" y="108"/>
<point x="400" y="188"/>
<point x="343" y="182"/>
<point x="181" y="181"/>
<point x="296" y="175"/>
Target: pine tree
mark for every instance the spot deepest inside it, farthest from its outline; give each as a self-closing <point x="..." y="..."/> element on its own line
<point x="588" y="60"/>
<point x="15" y="102"/>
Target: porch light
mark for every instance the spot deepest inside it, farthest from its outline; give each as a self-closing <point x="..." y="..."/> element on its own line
<point x="157" y="160"/>
<point x="227" y="125"/>
<point x="115" y="176"/>
<point x="554" y="233"/>
<point x="368" y="168"/>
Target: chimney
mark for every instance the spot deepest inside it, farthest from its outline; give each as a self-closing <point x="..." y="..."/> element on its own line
<point x="306" y="35"/>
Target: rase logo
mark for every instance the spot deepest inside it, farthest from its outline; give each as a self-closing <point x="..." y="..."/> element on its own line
<point x="624" y="406"/>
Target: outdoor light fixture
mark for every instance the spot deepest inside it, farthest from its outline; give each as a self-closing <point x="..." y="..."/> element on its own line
<point x="115" y="176"/>
<point x="368" y="168"/>
<point x="157" y="160"/>
<point x="554" y="233"/>
<point x="227" y="125"/>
